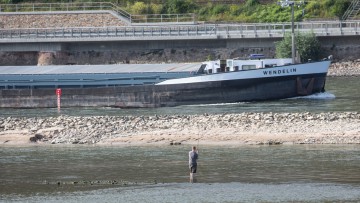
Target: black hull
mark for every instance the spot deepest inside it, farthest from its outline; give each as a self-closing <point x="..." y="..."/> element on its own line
<point x="168" y="95"/>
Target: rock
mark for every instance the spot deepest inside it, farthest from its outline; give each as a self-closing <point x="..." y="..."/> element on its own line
<point x="39" y="136"/>
<point x="95" y="129"/>
<point x="33" y="139"/>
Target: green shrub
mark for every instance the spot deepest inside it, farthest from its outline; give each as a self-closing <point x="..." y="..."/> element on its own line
<point x="340" y="7"/>
<point x="234" y="10"/>
<point x="219" y="9"/>
<point x="307" y="46"/>
<point x="156" y="8"/>
<point x="248" y="11"/>
<point x="139" y="8"/>
<point x="251" y="3"/>
<point x="179" y="6"/>
<point x="329" y="3"/>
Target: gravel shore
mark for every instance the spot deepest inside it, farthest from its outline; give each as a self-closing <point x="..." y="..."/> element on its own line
<point x="346" y="68"/>
<point x="244" y="128"/>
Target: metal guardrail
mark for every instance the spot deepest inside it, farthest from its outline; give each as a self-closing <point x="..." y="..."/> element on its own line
<point x="53" y="7"/>
<point x="37" y="7"/>
<point x="163" y="18"/>
<point x="205" y="31"/>
<point x="352" y="8"/>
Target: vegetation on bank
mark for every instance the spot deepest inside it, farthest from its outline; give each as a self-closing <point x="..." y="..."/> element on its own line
<point x="307" y="46"/>
<point x="249" y="11"/>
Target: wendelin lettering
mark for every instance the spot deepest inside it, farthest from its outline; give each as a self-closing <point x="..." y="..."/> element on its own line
<point x="280" y="72"/>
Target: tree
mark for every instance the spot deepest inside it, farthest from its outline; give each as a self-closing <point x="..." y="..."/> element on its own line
<point x="307" y="46"/>
<point x="179" y="6"/>
<point x="251" y="3"/>
<point x="340" y="7"/>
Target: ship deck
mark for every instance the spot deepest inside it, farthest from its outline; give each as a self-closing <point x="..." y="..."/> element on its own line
<point x="70" y="76"/>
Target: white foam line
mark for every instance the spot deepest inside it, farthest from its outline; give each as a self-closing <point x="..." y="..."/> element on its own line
<point x="319" y="96"/>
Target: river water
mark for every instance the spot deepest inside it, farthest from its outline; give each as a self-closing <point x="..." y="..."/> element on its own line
<point x="285" y="173"/>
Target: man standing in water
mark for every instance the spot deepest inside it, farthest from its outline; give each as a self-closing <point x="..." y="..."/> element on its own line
<point x="193" y="156"/>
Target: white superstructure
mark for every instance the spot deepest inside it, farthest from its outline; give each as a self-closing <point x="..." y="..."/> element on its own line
<point x="231" y="65"/>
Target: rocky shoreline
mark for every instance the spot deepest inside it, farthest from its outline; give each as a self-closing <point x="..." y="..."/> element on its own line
<point x="345" y="68"/>
<point x="217" y="129"/>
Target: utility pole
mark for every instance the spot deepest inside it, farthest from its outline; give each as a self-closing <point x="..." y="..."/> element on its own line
<point x="286" y="3"/>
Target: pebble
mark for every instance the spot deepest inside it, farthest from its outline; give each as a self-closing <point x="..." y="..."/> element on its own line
<point x="346" y="68"/>
<point x="71" y="129"/>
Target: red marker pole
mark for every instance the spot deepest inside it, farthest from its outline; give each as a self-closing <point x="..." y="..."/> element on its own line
<point x="58" y="94"/>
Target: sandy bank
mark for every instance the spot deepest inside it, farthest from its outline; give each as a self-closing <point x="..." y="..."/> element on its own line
<point x="244" y="128"/>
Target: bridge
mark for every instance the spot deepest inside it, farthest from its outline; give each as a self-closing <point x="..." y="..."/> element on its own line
<point x="178" y="32"/>
<point x="159" y="32"/>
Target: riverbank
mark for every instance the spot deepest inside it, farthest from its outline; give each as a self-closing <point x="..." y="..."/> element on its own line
<point x="217" y="129"/>
<point x="345" y="68"/>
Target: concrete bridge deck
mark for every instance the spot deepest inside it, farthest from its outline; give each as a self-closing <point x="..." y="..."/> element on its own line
<point x="178" y="32"/>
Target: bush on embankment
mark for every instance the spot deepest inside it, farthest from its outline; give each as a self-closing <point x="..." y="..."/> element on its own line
<point x="307" y="46"/>
<point x="218" y="11"/>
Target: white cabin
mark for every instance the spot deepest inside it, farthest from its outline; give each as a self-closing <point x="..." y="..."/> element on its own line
<point x="229" y="65"/>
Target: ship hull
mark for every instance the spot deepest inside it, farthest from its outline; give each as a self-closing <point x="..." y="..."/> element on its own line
<point x="258" y="85"/>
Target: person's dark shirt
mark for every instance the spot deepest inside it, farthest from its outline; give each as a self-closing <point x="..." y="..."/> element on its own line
<point x="193" y="156"/>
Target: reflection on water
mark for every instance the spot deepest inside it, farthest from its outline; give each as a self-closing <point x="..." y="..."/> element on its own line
<point x="346" y="91"/>
<point x="216" y="192"/>
<point x="27" y="170"/>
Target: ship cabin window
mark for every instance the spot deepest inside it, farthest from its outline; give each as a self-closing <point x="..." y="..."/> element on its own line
<point x="248" y="67"/>
<point x="236" y="68"/>
<point x="269" y="65"/>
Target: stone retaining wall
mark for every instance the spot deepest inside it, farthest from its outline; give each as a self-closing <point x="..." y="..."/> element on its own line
<point x="59" y="20"/>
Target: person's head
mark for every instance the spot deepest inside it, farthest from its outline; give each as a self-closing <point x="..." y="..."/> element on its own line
<point x="193" y="148"/>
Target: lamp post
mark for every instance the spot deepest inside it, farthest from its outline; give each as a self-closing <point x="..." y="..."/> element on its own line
<point x="285" y="3"/>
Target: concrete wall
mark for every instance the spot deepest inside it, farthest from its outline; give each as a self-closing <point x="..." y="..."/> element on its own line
<point x="342" y="48"/>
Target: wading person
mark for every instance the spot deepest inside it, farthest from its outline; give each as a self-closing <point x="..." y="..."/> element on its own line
<point x="193" y="156"/>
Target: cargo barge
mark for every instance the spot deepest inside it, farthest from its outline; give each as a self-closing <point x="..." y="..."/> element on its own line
<point x="159" y="85"/>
